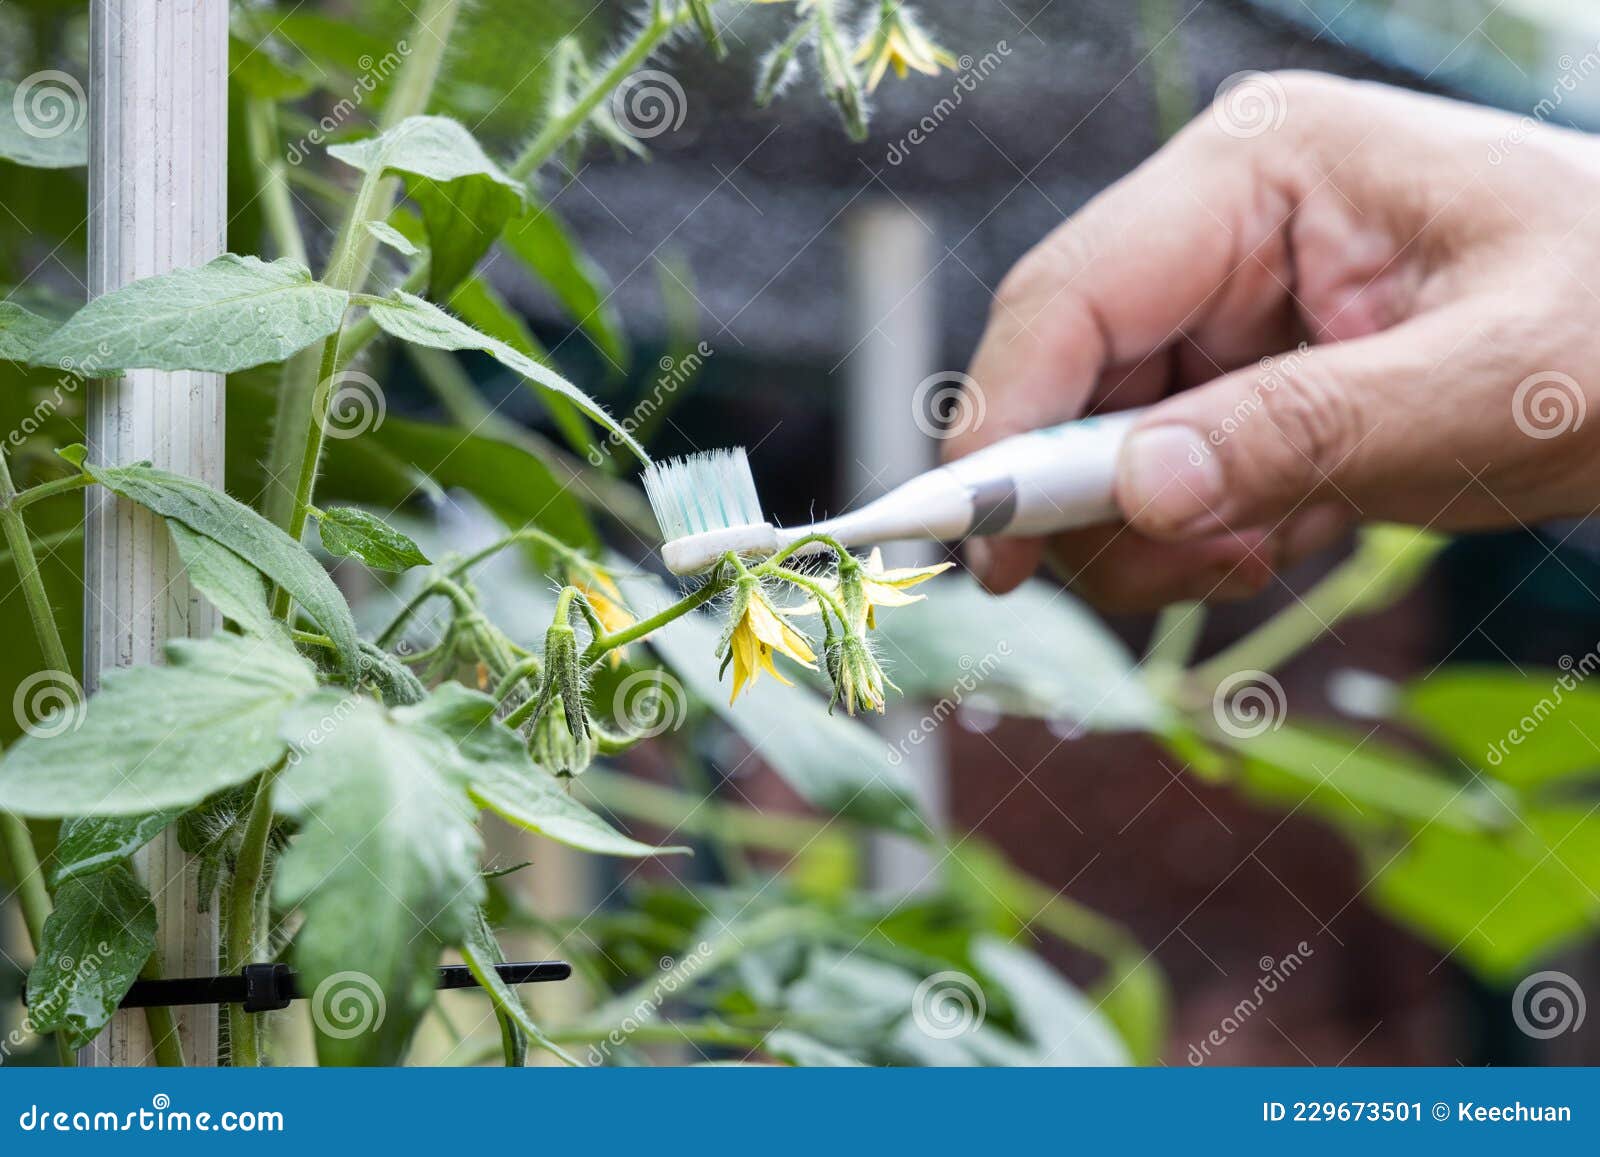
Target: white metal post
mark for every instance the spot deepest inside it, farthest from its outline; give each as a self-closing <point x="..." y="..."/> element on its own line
<point x="892" y="262"/>
<point x="158" y="94"/>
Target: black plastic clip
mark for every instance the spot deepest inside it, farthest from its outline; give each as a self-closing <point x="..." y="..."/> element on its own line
<point x="270" y="987"/>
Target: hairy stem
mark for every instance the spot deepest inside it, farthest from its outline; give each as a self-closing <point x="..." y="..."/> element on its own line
<point x="598" y="648"/>
<point x="248" y="875"/>
<point x="557" y="131"/>
<point x="296" y="427"/>
<point x="277" y="206"/>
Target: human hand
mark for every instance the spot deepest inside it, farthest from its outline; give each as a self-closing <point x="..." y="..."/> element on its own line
<point x="1424" y="277"/>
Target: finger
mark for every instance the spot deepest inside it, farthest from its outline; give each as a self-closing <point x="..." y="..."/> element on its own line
<point x="1364" y="423"/>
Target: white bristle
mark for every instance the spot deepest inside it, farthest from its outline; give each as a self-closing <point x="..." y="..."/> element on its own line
<point x="702" y="493"/>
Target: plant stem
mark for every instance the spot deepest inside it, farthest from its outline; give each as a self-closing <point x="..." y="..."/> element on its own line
<point x="248" y="874"/>
<point x="49" y="490"/>
<point x="297" y="427"/>
<point x="15" y="838"/>
<point x="261" y="124"/>
<point x="1174" y="638"/>
<point x="596" y="649"/>
<point x="555" y="133"/>
<point x="164" y="1039"/>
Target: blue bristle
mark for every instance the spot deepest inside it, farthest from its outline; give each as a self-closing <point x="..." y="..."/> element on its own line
<point x="703" y="492"/>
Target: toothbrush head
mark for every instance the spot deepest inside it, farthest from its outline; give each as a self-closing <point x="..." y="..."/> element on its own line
<point x="706" y="505"/>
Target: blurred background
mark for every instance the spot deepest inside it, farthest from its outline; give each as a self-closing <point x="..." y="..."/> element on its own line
<point x="823" y="284"/>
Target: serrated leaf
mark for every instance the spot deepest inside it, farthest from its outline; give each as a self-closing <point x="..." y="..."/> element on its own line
<point x="99" y="936"/>
<point x="384" y="870"/>
<point x="393" y="238"/>
<point x="480" y="305"/>
<point x="155" y="738"/>
<point x="91" y="844"/>
<point x="225" y="316"/>
<point x="1528" y="730"/>
<point x="351" y="533"/>
<point x="1059" y="1020"/>
<point x="21" y="332"/>
<point x="541" y="242"/>
<point x="48" y="128"/>
<point x="235" y="526"/>
<point x="464" y="196"/>
<point x="507" y="782"/>
<point x="238" y="590"/>
<point x="481" y="952"/>
<point x="412" y="319"/>
<point x="962" y="643"/>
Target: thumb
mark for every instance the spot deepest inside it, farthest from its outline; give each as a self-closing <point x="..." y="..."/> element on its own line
<point x="1316" y="424"/>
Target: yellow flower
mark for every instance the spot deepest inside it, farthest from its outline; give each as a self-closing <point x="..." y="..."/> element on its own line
<point x="756" y="632"/>
<point x="864" y="585"/>
<point x="605" y="600"/>
<point x="899" y="40"/>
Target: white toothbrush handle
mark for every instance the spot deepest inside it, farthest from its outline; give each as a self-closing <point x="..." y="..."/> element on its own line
<point x="1049" y="480"/>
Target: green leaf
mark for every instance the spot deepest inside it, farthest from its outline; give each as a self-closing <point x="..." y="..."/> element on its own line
<point x="465" y="197"/>
<point x="228" y="315"/>
<point x="963" y="643"/>
<point x="392" y="237"/>
<point x="155" y="738"/>
<point x="44" y="123"/>
<point x="1497" y="905"/>
<point x="805" y="1051"/>
<point x="235" y="526"/>
<point x="412" y="319"/>
<point x="1065" y="1027"/>
<point x="254" y="68"/>
<point x="480" y="305"/>
<point x="238" y="590"/>
<point x="541" y="242"/>
<point x="351" y="533"/>
<point x="92" y="844"/>
<point x="507" y="782"/>
<point x="481" y="952"/>
<point x="384" y="869"/>
<point x="834" y="762"/>
<point x="1358" y="779"/>
<point x="1135" y="998"/>
<point x="1528" y="731"/>
<point x="21" y="332"/>
<point x="99" y="936"/>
